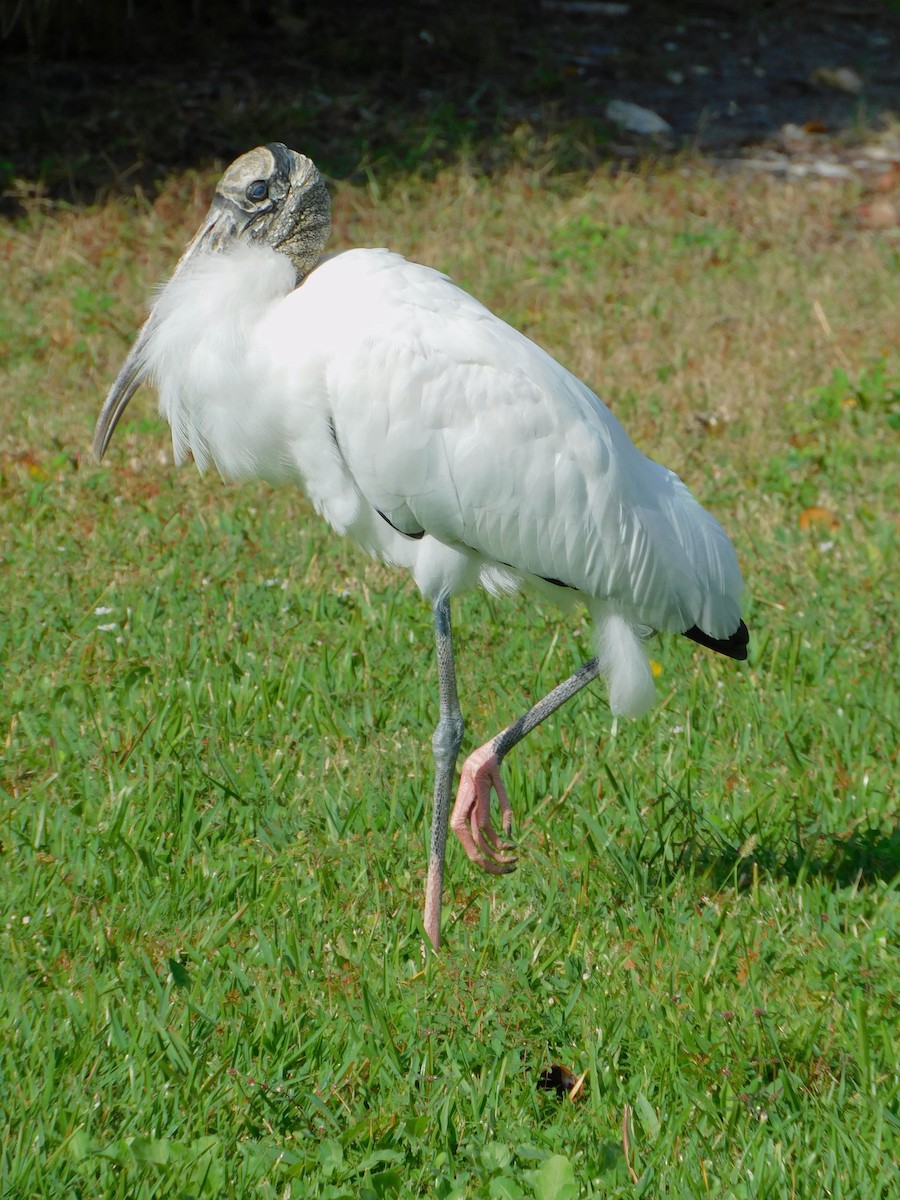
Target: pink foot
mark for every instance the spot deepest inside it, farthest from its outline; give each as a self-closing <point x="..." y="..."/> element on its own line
<point x="471" y="816"/>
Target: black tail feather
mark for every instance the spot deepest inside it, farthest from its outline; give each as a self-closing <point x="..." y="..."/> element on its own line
<point x="734" y="646"/>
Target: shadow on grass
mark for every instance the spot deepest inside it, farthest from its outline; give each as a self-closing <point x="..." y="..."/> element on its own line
<point x="101" y="97"/>
<point x="360" y="89"/>
<point x="680" y="838"/>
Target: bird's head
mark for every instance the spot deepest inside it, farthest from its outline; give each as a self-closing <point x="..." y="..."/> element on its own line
<point x="270" y="196"/>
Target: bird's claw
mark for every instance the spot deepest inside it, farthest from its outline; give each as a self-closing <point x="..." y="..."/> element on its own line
<point x="471" y="816"/>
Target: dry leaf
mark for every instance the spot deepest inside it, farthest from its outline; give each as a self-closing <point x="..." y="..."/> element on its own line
<point x="889" y="179"/>
<point x="878" y="214"/>
<point x="817" y="517"/>
<point x="563" y="1081"/>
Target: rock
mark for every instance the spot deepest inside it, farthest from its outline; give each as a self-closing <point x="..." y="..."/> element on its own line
<point x="842" y="79"/>
<point x="636" y="119"/>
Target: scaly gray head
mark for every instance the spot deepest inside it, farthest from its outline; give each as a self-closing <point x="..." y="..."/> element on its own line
<point x="270" y="196"/>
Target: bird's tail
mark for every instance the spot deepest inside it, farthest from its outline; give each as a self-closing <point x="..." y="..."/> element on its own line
<point x="624" y="666"/>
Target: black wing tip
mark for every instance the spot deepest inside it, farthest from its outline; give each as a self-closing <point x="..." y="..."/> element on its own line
<point x="734" y="646"/>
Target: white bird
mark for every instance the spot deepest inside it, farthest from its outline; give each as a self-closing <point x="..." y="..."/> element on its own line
<point x="437" y="436"/>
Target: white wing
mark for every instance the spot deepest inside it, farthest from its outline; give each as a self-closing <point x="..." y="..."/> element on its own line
<point x="452" y="422"/>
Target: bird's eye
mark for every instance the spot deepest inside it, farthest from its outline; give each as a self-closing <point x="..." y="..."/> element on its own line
<point x="257" y="191"/>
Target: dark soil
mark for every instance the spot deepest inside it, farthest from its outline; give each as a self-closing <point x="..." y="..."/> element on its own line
<point x="374" y="89"/>
<point x="726" y="75"/>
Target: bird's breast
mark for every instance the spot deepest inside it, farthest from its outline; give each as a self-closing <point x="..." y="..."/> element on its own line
<point x="207" y="358"/>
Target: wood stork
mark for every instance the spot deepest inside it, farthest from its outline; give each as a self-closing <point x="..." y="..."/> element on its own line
<point x="437" y="436"/>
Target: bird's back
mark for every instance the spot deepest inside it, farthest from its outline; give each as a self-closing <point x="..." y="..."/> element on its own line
<point x="453" y="423"/>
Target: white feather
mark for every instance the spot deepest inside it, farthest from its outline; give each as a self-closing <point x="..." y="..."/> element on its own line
<point x="624" y="666"/>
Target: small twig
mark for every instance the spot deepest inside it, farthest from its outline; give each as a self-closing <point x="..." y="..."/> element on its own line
<point x="771" y="603"/>
<point x="823" y="320"/>
<point x="548" y="799"/>
<point x="577" y="1090"/>
<point x="829" y="332"/>
<point x="626" y="1117"/>
<point x="125" y="754"/>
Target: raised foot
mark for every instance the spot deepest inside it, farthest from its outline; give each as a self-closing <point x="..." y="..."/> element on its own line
<point x="471" y="816"/>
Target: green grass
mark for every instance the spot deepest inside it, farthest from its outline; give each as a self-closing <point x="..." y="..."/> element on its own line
<point x="216" y="783"/>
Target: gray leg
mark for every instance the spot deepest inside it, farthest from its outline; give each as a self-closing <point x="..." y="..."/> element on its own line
<point x="445" y="744"/>
<point x="513" y="734"/>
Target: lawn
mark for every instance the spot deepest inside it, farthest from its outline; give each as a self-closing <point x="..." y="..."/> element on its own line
<point x="216" y="784"/>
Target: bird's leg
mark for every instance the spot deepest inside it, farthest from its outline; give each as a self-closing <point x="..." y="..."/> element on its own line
<point x="445" y="744"/>
<point x="480" y="776"/>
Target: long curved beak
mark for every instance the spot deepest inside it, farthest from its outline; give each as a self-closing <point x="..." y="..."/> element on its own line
<point x="128" y="380"/>
<point x="218" y="228"/>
